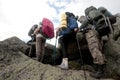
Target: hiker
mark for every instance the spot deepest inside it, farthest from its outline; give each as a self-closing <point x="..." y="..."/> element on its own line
<point x="33" y="39"/>
<point x="94" y="45"/>
<point x="66" y="32"/>
<point x="44" y="31"/>
<point x="100" y="27"/>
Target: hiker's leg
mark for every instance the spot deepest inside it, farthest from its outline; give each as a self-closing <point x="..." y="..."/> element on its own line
<point x="64" y="63"/>
<point x="43" y="48"/>
<point x="30" y="51"/>
<point x="38" y="47"/>
<point x="64" y="43"/>
<point x="95" y="47"/>
<point x="96" y="51"/>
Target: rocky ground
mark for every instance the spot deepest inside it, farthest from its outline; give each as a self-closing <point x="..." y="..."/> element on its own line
<point x="15" y="65"/>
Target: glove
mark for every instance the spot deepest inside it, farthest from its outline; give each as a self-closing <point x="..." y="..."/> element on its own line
<point x="76" y="30"/>
<point x="83" y="30"/>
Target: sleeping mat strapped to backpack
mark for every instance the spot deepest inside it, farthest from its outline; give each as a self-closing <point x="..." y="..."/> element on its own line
<point x="68" y="23"/>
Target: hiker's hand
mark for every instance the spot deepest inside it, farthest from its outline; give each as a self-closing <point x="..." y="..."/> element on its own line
<point x="57" y="32"/>
<point x="56" y="35"/>
<point x="76" y="30"/>
<point x="81" y="30"/>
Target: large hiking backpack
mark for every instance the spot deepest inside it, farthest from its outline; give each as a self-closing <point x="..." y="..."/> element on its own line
<point x="68" y="23"/>
<point x="31" y="31"/>
<point x="105" y="11"/>
<point x="71" y="21"/>
<point x="97" y="19"/>
<point x="102" y="26"/>
<point x="87" y="10"/>
<point x="92" y="13"/>
<point x="47" y="28"/>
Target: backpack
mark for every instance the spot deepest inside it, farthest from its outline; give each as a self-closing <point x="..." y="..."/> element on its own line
<point x="68" y="23"/>
<point x="105" y="11"/>
<point x="31" y="31"/>
<point x="63" y="22"/>
<point x="92" y="13"/>
<point x="87" y="10"/>
<point x="95" y="15"/>
<point x="102" y="27"/>
<point x="97" y="19"/>
<point x="47" y="28"/>
<point x="71" y="21"/>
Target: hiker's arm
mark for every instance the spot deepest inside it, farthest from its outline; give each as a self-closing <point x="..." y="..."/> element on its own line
<point x="57" y="31"/>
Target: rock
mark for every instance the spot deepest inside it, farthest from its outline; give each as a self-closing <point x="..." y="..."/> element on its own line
<point x="52" y="54"/>
<point x="112" y="53"/>
<point x="14" y="42"/>
<point x="15" y="65"/>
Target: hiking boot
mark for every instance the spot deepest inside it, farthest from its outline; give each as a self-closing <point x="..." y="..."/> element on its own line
<point x="64" y="64"/>
<point x="99" y="73"/>
<point x="39" y="58"/>
<point x="30" y="51"/>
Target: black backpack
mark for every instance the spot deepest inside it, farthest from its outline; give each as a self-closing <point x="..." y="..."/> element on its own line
<point x="102" y="27"/>
<point x="31" y="32"/>
<point x="92" y="13"/>
<point x="97" y="19"/>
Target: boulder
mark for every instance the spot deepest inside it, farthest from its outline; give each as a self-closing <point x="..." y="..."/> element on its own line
<point x="15" y="65"/>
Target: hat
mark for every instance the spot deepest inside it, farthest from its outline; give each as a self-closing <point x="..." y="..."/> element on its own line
<point x="81" y="19"/>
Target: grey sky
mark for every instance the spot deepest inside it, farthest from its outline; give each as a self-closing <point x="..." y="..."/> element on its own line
<point x="17" y="16"/>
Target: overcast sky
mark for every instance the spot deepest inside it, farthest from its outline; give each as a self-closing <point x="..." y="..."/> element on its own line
<point x="17" y="16"/>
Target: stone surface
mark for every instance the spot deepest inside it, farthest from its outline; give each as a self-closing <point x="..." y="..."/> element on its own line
<point x="15" y="65"/>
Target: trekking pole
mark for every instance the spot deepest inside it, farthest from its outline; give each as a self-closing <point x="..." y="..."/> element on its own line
<point x="110" y="25"/>
<point x="54" y="52"/>
<point x="81" y="57"/>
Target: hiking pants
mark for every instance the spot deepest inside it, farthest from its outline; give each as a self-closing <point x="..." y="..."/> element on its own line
<point x="40" y="47"/>
<point x="65" y="41"/>
<point x="95" y="46"/>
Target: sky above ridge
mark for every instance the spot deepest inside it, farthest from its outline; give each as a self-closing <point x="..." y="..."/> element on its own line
<point x="17" y="16"/>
